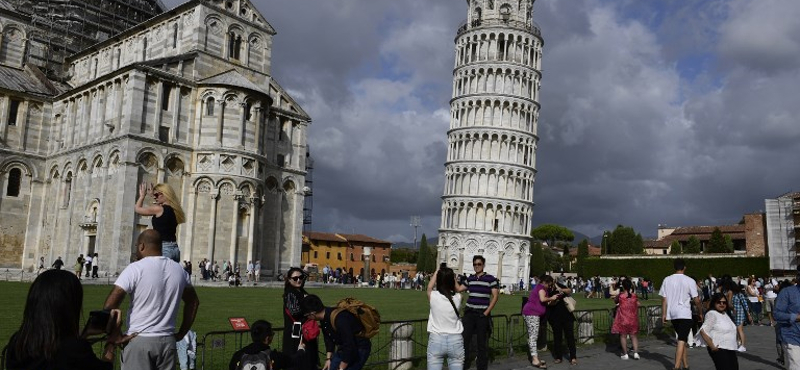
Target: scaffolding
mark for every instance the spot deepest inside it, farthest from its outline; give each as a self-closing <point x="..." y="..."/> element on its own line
<point x="64" y="27"/>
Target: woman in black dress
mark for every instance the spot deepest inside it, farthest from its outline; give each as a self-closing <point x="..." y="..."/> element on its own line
<point x="563" y="322"/>
<point x="293" y="293"/>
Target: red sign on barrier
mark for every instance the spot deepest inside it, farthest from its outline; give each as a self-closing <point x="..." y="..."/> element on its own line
<point x="239" y="323"/>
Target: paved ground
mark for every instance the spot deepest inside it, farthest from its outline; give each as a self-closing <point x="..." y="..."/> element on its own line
<point x="659" y="354"/>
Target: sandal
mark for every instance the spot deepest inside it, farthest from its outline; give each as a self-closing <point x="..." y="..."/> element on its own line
<point x="557" y="361"/>
<point x="540" y="365"/>
<point x="573" y="361"/>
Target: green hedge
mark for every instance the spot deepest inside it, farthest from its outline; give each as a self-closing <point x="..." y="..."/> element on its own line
<point x="656" y="269"/>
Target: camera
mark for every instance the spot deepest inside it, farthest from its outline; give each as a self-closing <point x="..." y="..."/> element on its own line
<point x="99" y="318"/>
<point x="297" y="329"/>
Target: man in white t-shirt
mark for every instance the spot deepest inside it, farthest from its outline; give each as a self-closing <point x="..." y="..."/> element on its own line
<point x="156" y="285"/>
<point x="678" y="292"/>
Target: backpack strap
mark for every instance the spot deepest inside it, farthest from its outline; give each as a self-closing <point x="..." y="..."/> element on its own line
<point x="449" y="298"/>
<point x="333" y="315"/>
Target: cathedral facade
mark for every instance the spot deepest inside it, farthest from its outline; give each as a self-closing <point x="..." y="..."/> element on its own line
<point x="490" y="169"/>
<point x="185" y="98"/>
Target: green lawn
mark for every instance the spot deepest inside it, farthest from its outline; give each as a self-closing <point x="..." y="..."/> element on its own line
<point x="217" y="304"/>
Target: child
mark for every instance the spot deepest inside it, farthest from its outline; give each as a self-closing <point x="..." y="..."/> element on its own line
<point x="259" y="352"/>
<point x="627" y="320"/>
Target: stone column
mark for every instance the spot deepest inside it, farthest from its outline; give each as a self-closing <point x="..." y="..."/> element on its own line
<point x="176" y="114"/>
<point x="220" y="121"/>
<point x="242" y="124"/>
<point x="585" y="327"/>
<point x="234" y="256"/>
<point x="402" y="346"/>
<point x="212" y="225"/>
<point x="251" y="227"/>
<point x="257" y="120"/>
<point x="188" y="231"/>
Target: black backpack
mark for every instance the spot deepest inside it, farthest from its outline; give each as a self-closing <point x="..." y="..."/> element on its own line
<point x="257" y="361"/>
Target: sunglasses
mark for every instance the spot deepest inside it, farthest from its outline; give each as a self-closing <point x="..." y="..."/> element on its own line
<point x="477" y="264"/>
<point x="297" y="278"/>
<point x="156" y="195"/>
<point x="722" y="302"/>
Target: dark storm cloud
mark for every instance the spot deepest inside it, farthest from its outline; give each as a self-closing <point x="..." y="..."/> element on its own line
<point x="676" y="112"/>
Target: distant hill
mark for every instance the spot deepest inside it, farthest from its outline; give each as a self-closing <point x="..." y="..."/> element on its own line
<point x="431" y="242"/>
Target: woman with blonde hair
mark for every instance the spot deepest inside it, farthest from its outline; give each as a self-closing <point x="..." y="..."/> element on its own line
<point x="167" y="215"/>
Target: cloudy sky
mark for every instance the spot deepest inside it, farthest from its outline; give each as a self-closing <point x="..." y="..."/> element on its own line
<point x="677" y="112"/>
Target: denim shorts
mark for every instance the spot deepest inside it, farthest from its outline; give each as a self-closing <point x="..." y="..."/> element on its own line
<point x="171" y="251"/>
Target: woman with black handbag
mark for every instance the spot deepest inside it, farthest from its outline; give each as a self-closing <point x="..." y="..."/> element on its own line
<point x="444" y="323"/>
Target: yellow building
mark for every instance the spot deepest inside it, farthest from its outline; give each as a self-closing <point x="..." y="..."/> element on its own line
<point x="345" y="251"/>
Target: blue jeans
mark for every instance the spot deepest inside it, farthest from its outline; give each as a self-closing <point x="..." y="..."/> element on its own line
<point x="450" y="346"/>
<point x="171" y="251"/>
<point x="363" y="355"/>
<point x="185" y="359"/>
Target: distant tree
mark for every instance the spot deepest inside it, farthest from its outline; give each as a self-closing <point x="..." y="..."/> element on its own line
<point x="728" y="244"/>
<point x="426" y="261"/>
<point x="583" y="254"/>
<point x="675" y="248"/>
<point x="552" y="234"/>
<point x="692" y="246"/>
<point x="404" y="255"/>
<point x="552" y="261"/>
<point x="537" y="260"/>
<point x="624" y="240"/>
<point x="717" y="242"/>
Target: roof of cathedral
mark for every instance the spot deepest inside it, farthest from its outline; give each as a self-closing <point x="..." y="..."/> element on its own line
<point x="233" y="78"/>
<point x="26" y="82"/>
<point x="4" y="4"/>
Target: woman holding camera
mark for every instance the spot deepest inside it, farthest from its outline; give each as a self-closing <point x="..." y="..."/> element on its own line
<point x="50" y="335"/>
<point x="444" y="326"/>
<point x="293" y="319"/>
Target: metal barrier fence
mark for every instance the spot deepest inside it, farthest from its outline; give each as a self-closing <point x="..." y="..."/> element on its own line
<point x="402" y="345"/>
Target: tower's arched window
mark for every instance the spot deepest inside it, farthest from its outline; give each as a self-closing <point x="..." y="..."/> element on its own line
<point x="14" y="182"/>
<point x="210" y="106"/>
<point x="234" y="46"/>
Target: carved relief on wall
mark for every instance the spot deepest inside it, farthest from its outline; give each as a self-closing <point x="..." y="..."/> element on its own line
<point x="227" y="163"/>
<point x="188" y="17"/>
<point x="214" y="26"/>
<point x="175" y="167"/>
<point x="204" y="187"/>
<point x="113" y="163"/>
<point x="227" y="189"/>
<point x="248" y="167"/>
<point x="13" y="34"/>
<point x="205" y="162"/>
<point x="255" y="43"/>
<point x="148" y="162"/>
<point x="159" y="32"/>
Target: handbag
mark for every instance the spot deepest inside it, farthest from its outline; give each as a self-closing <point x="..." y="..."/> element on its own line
<point x="570" y="302"/>
<point x="309" y="329"/>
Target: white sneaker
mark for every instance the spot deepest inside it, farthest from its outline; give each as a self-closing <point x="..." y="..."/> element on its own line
<point x="624" y="357"/>
<point x="636" y="355"/>
<point x="741" y="349"/>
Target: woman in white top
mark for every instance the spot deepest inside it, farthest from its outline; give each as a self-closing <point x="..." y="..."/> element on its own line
<point x="444" y="325"/>
<point x="719" y="333"/>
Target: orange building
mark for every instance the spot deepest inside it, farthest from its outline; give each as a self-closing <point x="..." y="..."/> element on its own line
<point x="345" y="251"/>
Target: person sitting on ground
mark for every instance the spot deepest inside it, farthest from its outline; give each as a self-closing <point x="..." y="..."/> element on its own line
<point x="259" y="352"/>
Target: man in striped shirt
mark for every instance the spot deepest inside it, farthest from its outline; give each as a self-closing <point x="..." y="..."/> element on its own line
<point x="483" y="293"/>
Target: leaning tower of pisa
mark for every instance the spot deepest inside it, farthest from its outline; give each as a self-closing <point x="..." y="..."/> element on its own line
<point x="491" y="160"/>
